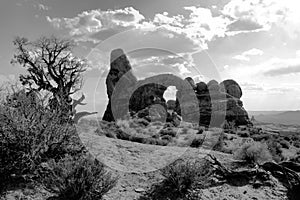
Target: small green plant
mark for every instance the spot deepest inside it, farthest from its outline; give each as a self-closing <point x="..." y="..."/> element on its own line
<point x="253" y="153"/>
<point x="77" y="178"/>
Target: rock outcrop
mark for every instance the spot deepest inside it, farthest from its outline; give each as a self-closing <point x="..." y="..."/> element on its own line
<point x="232" y="88"/>
<point x="207" y="104"/>
<point x="219" y="102"/>
<point x="119" y="68"/>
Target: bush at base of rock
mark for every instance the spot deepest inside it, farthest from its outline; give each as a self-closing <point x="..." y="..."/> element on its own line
<point x="253" y="153"/>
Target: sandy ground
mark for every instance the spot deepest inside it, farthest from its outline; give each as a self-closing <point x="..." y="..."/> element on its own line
<point x="137" y="166"/>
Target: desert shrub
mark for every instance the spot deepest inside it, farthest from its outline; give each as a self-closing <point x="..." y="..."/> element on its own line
<point x="150" y="141"/>
<point x="197" y="142"/>
<point x="168" y="131"/>
<point x="275" y="149"/>
<point x="162" y="142"/>
<point x="184" y="130"/>
<point x="284" y="144"/>
<point x="253" y="153"/>
<point x="296" y="144"/>
<point x="137" y="139"/>
<point x="261" y="137"/>
<point x="200" y="130"/>
<point x="122" y="135"/>
<point x="287" y="138"/>
<point x="110" y="134"/>
<point x="244" y="134"/>
<point x="181" y="175"/>
<point x="255" y="130"/>
<point x="167" y="137"/>
<point x="227" y="125"/>
<point x="219" y="146"/>
<point x="168" y="125"/>
<point x="155" y="136"/>
<point x="30" y="134"/>
<point x="77" y="178"/>
<point x="296" y="157"/>
<point x="156" y="141"/>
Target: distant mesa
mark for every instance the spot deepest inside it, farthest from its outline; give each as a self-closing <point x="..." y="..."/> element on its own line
<point x="210" y="104"/>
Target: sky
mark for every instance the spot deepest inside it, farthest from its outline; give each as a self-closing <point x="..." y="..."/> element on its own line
<point x="255" y="42"/>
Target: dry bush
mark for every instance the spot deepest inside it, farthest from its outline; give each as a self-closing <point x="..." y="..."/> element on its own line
<point x="197" y="142"/>
<point x="253" y="153"/>
<point x="168" y="131"/>
<point x="30" y="134"/>
<point x="284" y="144"/>
<point x="77" y="178"/>
<point x="275" y="149"/>
<point x="219" y="146"/>
<point x="182" y="175"/>
<point x="296" y="144"/>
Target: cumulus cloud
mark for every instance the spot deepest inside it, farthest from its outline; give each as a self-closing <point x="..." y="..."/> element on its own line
<point x="204" y="26"/>
<point x="252" y="15"/>
<point x="261" y="15"/>
<point x="88" y="23"/>
<point x="200" y="26"/>
<point x="245" y="56"/>
<point x="187" y="32"/>
<point x="163" y="19"/>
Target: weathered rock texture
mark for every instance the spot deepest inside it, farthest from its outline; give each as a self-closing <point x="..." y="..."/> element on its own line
<point x="119" y="68"/>
<point x="207" y="104"/>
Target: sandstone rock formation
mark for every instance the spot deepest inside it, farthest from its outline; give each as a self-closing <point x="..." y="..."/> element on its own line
<point x="119" y="67"/>
<point x="232" y="88"/>
<point x="219" y="102"/>
<point x="207" y="104"/>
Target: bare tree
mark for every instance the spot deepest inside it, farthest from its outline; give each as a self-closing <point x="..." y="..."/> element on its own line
<point x="51" y="66"/>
